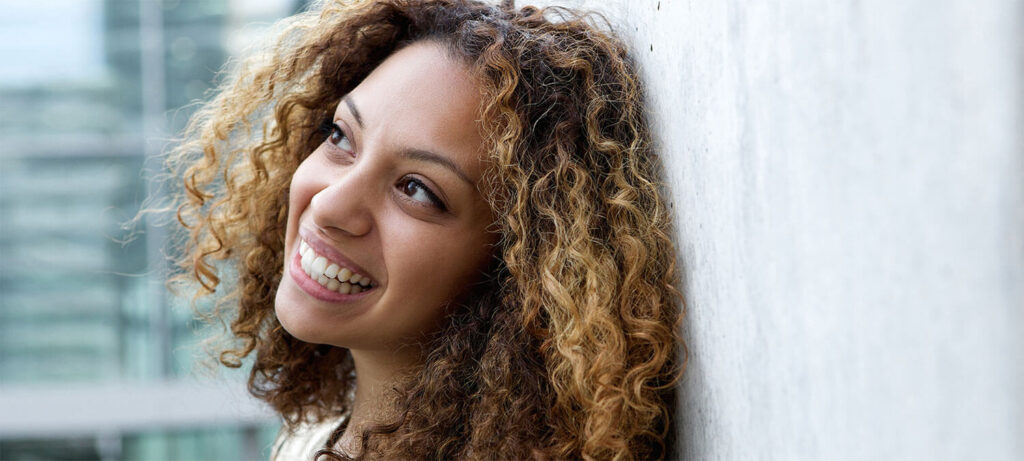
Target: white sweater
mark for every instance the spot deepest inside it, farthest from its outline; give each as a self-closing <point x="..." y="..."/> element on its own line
<point x="305" y="441"/>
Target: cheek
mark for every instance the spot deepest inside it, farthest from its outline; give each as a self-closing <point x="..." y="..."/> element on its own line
<point x="437" y="264"/>
<point x="301" y="190"/>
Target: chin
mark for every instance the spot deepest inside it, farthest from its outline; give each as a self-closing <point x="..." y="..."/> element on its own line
<point x="298" y="321"/>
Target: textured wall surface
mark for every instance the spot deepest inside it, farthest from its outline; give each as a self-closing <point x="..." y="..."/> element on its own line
<point x="848" y="183"/>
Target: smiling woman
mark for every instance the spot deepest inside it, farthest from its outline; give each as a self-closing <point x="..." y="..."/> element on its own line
<point x="449" y="234"/>
<point x="411" y="228"/>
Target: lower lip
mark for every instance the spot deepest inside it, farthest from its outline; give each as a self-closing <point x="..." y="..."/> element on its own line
<point x="318" y="291"/>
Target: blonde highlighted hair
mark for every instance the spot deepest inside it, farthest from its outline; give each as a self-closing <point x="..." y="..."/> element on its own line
<point x="570" y="347"/>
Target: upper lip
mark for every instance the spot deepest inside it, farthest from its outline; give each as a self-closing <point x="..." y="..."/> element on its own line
<point x="322" y="248"/>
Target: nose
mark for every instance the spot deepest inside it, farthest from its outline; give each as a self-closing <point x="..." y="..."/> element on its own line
<point x="342" y="206"/>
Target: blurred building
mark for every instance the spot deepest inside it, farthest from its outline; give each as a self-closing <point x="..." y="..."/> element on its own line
<point x="95" y="357"/>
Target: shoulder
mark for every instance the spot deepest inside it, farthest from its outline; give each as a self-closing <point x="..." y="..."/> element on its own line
<point x="300" y="443"/>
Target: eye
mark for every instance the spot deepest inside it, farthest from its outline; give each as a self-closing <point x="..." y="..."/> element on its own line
<point x="337" y="138"/>
<point x="420" y="193"/>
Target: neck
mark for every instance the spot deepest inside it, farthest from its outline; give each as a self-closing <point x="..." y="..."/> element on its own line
<point x="377" y="373"/>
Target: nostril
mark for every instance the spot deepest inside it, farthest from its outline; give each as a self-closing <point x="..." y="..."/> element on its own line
<point x="340" y="210"/>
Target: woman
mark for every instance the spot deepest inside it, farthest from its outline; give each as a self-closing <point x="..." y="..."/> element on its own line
<point x="445" y="233"/>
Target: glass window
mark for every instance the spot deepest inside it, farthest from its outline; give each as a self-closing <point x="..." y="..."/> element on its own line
<point x="96" y="360"/>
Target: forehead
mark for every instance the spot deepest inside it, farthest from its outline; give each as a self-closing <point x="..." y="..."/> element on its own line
<point x="421" y="97"/>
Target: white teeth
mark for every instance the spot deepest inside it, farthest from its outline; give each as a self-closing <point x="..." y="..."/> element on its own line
<point x="319" y="264"/>
<point x="307" y="261"/>
<point x="331" y="275"/>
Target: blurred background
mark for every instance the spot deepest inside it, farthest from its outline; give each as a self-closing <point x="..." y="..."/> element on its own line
<point x="97" y="361"/>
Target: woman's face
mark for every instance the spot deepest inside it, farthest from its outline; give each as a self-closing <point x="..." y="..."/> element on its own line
<point x="392" y="196"/>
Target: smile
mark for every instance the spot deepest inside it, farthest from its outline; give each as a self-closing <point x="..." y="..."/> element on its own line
<point x="331" y="275"/>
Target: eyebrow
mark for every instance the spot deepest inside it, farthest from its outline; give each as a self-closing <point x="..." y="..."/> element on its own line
<point x="352" y="107"/>
<point x="427" y="156"/>
<point x="415" y="154"/>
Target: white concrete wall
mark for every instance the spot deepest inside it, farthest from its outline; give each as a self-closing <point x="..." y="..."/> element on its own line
<point x="848" y="183"/>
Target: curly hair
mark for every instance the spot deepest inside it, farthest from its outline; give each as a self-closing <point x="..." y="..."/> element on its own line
<point x="570" y="348"/>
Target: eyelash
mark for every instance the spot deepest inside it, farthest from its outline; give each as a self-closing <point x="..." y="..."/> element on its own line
<point x="435" y="202"/>
<point x="329" y="128"/>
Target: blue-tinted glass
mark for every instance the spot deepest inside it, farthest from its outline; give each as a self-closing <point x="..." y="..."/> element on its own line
<point x="89" y="92"/>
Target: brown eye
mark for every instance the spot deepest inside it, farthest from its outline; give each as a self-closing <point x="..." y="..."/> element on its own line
<point x="418" y="192"/>
<point x="338" y="139"/>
